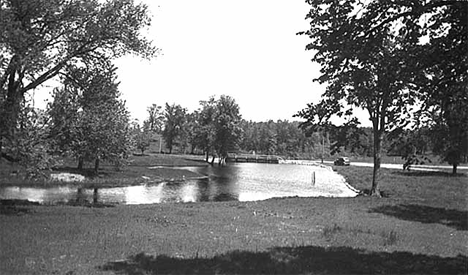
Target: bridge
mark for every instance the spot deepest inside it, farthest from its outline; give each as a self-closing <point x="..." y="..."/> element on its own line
<point x="254" y="158"/>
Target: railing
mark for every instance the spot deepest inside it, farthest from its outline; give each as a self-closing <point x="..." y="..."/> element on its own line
<point x="254" y="158"/>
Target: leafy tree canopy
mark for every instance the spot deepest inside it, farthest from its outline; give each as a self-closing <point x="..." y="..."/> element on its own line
<point x="39" y="38"/>
<point x="175" y="117"/>
<point x="88" y="118"/>
<point x="370" y="53"/>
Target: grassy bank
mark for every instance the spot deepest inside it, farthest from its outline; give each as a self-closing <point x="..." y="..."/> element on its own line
<point x="419" y="227"/>
<point x="139" y="169"/>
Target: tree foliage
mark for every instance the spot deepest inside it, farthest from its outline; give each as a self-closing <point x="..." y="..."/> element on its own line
<point x="226" y="124"/>
<point x="446" y="83"/>
<point x="31" y="147"/>
<point x="206" y="131"/>
<point x="280" y="137"/>
<point x="40" y="38"/>
<point x="155" y="121"/>
<point x="370" y="57"/>
<point x="141" y="137"/>
<point x="173" y="128"/>
<point x="193" y="131"/>
<point x="88" y="118"/>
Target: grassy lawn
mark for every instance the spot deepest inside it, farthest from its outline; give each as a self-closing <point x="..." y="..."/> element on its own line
<point x="419" y="227"/>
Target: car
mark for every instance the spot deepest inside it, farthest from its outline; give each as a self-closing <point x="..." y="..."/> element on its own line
<point x="342" y="161"/>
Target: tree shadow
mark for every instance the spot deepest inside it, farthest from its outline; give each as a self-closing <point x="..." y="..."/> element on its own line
<point x="87" y="204"/>
<point x="293" y="260"/>
<point x="426" y="214"/>
<point x="367" y="192"/>
<point x="419" y="173"/>
<point x="15" y="207"/>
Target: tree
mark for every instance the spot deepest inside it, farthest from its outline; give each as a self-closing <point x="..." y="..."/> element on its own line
<point x="175" y="118"/>
<point x="267" y="137"/>
<point x="32" y="145"/>
<point x="446" y="82"/>
<point x="281" y="137"/>
<point x="206" y="132"/>
<point x="411" y="145"/>
<point x="155" y="119"/>
<point x="249" y="141"/>
<point x="216" y="127"/>
<point x="443" y="62"/>
<point x="226" y="126"/>
<point x="373" y="84"/>
<point x="88" y="118"/>
<point x="153" y="125"/>
<point x="40" y="38"/>
<point x="141" y="137"/>
<point x="369" y="57"/>
<point x="193" y="131"/>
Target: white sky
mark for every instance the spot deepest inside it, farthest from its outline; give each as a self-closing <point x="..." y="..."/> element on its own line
<point x="246" y="49"/>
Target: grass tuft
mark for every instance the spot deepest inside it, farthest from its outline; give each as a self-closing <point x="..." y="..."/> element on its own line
<point x="390" y="238"/>
<point x="330" y="231"/>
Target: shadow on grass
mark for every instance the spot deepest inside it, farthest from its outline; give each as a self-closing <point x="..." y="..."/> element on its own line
<point x="367" y="192"/>
<point x="426" y="214"/>
<point x="286" y="260"/>
<point x="87" y="204"/>
<point x="10" y="210"/>
<point x="15" y="207"/>
<point x="417" y="173"/>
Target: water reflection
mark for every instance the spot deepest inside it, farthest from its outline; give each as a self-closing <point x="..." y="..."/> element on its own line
<point x="243" y="182"/>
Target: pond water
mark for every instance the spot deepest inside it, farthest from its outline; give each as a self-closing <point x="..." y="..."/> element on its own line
<point x="236" y="182"/>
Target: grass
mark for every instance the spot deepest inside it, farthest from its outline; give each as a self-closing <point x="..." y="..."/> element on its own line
<point x="420" y="227"/>
<point x="390" y="238"/>
<point x="330" y="231"/>
<point x="428" y="188"/>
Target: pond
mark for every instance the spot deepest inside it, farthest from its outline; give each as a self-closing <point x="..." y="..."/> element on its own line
<point x="235" y="182"/>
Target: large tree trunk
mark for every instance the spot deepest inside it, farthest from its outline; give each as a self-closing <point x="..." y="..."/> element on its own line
<point x="80" y="163"/>
<point x="80" y="197"/>
<point x="95" y="196"/>
<point x="192" y="149"/>
<point x="377" y="161"/>
<point x="212" y="160"/>
<point x="11" y="105"/>
<point x="1" y="145"/>
<point x="96" y="166"/>
<point x="454" y="169"/>
<point x="222" y="161"/>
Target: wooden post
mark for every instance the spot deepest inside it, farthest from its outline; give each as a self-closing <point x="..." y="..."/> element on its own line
<point x="160" y="144"/>
<point x="313" y="178"/>
<point x="323" y="147"/>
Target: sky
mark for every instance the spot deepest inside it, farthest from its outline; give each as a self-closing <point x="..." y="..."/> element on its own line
<point x="246" y="49"/>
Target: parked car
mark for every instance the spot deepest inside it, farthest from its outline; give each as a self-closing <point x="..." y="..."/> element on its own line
<point x="342" y="161"/>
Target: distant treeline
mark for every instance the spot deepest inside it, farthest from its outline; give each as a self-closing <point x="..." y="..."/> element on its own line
<point x="282" y="137"/>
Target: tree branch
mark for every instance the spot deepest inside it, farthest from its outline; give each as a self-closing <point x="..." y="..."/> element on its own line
<point x="418" y="11"/>
<point x="46" y="76"/>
